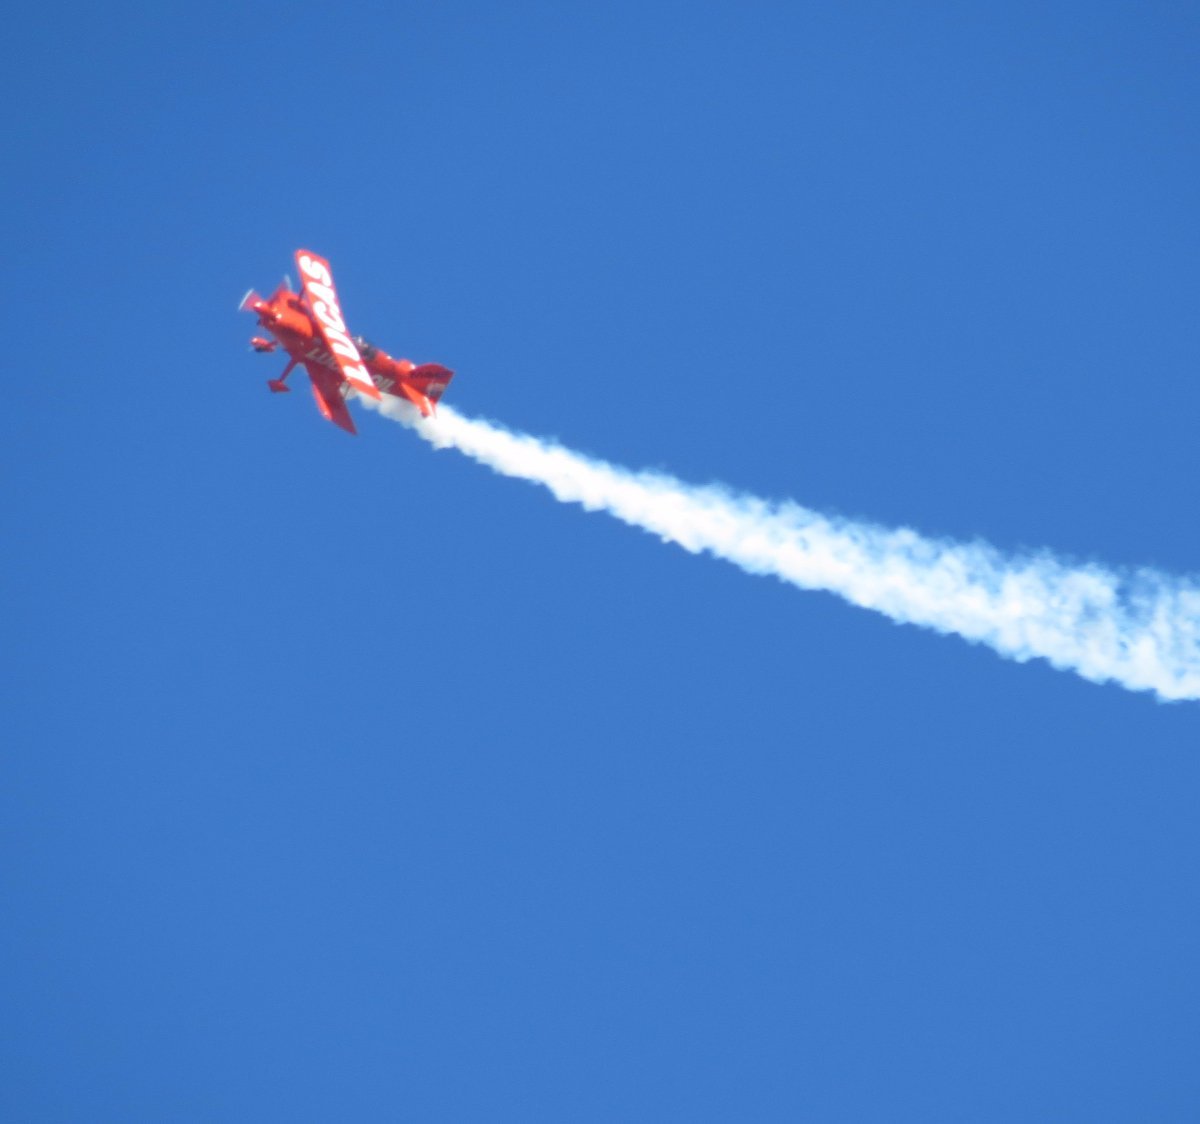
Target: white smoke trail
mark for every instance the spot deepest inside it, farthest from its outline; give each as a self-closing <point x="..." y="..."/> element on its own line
<point x="1141" y="629"/>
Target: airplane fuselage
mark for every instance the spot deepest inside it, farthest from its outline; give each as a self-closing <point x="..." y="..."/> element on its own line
<point x="309" y="326"/>
<point x="297" y="335"/>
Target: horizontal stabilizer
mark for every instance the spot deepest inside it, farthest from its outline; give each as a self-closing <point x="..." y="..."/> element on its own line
<point x="407" y="390"/>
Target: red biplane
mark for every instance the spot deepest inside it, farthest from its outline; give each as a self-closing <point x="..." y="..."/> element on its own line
<point x="308" y="325"/>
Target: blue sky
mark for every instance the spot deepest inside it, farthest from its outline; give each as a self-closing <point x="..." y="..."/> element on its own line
<point x="347" y="780"/>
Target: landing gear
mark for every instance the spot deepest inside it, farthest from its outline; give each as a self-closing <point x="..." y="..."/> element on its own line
<point x="278" y="386"/>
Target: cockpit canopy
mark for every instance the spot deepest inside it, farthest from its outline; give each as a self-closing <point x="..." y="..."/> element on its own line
<point x="365" y="347"/>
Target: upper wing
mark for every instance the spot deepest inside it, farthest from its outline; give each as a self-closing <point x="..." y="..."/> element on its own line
<point x="327" y="390"/>
<point x="317" y="285"/>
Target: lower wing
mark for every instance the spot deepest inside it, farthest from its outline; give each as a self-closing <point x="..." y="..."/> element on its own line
<point x="327" y="390"/>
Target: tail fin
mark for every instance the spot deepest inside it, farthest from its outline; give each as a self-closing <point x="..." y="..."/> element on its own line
<point x="431" y="380"/>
